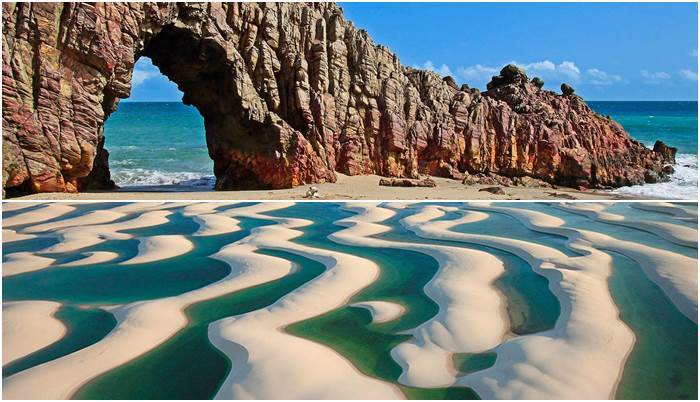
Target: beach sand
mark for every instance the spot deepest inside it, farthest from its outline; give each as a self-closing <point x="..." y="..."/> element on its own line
<point x="346" y="188"/>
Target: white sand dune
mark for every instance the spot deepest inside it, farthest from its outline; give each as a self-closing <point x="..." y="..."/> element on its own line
<point x="9" y="236"/>
<point x="28" y="326"/>
<point x="668" y="208"/>
<point x="50" y="211"/>
<point x="214" y="224"/>
<point x="382" y="311"/>
<point x="92" y="257"/>
<point x="205" y="208"/>
<point x="22" y="262"/>
<point x="16" y="206"/>
<point x="132" y="207"/>
<point x="90" y="218"/>
<point x="86" y="235"/>
<point x="271" y="364"/>
<point x="156" y="248"/>
<point x="144" y="325"/>
<point x="675" y="274"/>
<point x="140" y="327"/>
<point x="583" y="355"/>
<point x="679" y="234"/>
<point x="471" y="311"/>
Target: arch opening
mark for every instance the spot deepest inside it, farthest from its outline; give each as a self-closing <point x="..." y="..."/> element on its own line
<point x="244" y="147"/>
<point x="156" y="143"/>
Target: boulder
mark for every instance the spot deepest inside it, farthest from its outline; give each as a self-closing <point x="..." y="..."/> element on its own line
<point x="493" y="190"/>
<point x="398" y="182"/>
<point x="538" y="82"/>
<point x="567" y="90"/>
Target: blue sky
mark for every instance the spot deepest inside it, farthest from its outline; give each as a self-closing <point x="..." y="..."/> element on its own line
<point x="607" y="51"/>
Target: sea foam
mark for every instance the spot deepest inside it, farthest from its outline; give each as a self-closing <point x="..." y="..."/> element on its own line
<point x="682" y="186"/>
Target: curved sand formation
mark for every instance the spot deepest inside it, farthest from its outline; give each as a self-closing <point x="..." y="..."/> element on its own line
<point x="214" y="224"/>
<point x="589" y="333"/>
<point x="382" y="311"/>
<point x="667" y="208"/>
<point x="50" y="211"/>
<point x="16" y="206"/>
<point x="681" y="235"/>
<point x="28" y="326"/>
<point x="268" y="363"/>
<point x="144" y="325"/>
<point x="471" y="315"/>
<point x="141" y="326"/>
<point x="90" y="218"/>
<point x="86" y="235"/>
<point x="19" y="263"/>
<point x="156" y="248"/>
<point x="92" y="257"/>
<point x="675" y="274"/>
<point x="9" y="236"/>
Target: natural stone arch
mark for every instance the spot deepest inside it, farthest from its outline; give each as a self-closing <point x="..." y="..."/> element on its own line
<point x="192" y="44"/>
<point x="290" y="93"/>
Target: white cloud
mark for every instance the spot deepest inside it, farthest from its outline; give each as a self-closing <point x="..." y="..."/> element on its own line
<point x="478" y="74"/>
<point x="657" y="77"/>
<point x="139" y="76"/>
<point x="568" y="68"/>
<point x="540" y="66"/>
<point x="547" y="69"/>
<point x="600" y="77"/>
<point x="442" y="70"/>
<point x="689" y="74"/>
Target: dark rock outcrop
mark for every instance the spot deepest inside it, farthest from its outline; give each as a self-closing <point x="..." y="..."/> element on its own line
<point x="567" y="90"/>
<point x="394" y="182"/>
<point x="290" y="94"/>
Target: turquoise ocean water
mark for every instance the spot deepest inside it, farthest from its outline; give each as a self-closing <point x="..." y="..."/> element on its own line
<point x="163" y="143"/>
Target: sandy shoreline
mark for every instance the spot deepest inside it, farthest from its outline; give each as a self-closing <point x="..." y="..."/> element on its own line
<point x="346" y="188"/>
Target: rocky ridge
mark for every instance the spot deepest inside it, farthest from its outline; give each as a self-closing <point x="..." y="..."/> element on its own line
<point x="290" y="94"/>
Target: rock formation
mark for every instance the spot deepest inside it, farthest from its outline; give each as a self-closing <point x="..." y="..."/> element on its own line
<point x="290" y="94"/>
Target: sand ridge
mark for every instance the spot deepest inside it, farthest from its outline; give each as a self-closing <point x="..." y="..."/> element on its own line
<point x="470" y="315"/>
<point x="268" y="363"/>
<point x="28" y="326"/>
<point x="588" y="331"/>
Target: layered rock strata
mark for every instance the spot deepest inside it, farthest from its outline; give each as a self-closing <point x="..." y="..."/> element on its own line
<point x="290" y="94"/>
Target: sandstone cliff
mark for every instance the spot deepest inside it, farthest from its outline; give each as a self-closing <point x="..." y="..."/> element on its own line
<point x="290" y="94"/>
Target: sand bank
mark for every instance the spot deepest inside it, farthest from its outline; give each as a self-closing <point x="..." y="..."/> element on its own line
<point x="28" y="326"/>
<point x="49" y="211"/>
<point x="679" y="234"/>
<point x="76" y="237"/>
<point x="668" y="208"/>
<point x="470" y="317"/>
<point x="382" y="311"/>
<point x="141" y="326"/>
<point x="589" y="333"/>
<point x="92" y="257"/>
<point x="271" y="364"/>
<point x="19" y="263"/>
<point x="9" y="236"/>
<point x="155" y="248"/>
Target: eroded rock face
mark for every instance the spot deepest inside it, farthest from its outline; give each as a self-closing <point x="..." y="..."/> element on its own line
<point x="290" y="94"/>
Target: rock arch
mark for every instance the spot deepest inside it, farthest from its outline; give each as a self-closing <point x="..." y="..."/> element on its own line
<point x="290" y="94"/>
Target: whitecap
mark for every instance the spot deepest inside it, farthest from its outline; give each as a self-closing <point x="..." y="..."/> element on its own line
<point x="683" y="183"/>
<point x="150" y="177"/>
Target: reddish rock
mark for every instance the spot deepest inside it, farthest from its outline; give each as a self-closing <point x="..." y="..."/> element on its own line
<point x="290" y="93"/>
